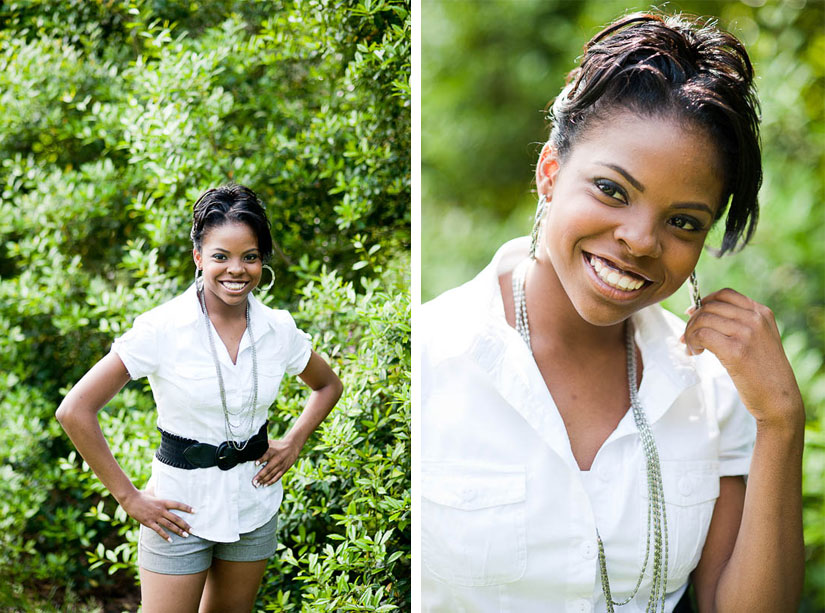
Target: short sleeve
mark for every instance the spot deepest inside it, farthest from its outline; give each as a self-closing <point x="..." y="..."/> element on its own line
<point x="299" y="349"/>
<point x="737" y="428"/>
<point x="138" y="348"/>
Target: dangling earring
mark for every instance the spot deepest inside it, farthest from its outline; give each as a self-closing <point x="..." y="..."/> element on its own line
<point x="541" y="209"/>
<point x="695" y="298"/>
<point x="198" y="279"/>
<point x="271" y="282"/>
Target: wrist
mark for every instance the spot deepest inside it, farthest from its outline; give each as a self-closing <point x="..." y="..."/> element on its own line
<point x="125" y="495"/>
<point x="295" y="439"/>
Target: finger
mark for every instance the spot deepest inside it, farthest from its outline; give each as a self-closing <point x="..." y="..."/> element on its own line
<point x="722" y="346"/>
<point x="173" y="526"/>
<point x="730" y="296"/>
<point x="264" y="475"/>
<point x="180" y="525"/>
<point x="174" y="504"/>
<point x="692" y="337"/>
<point x="272" y="473"/>
<point x="156" y="527"/>
<point x="276" y="477"/>
<point x="725" y="325"/>
<point x="749" y="316"/>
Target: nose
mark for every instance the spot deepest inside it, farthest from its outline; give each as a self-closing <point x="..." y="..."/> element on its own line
<point x="235" y="266"/>
<point x="640" y="238"/>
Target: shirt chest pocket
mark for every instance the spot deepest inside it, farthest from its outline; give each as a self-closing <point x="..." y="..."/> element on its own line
<point x="198" y="382"/>
<point x="270" y="375"/>
<point x="691" y="489"/>
<point x="473" y="521"/>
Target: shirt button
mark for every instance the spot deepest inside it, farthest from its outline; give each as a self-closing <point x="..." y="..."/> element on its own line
<point x="579" y="606"/>
<point x="588" y="550"/>
<point x="685" y="486"/>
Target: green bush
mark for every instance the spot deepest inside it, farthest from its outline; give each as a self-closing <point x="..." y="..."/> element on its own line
<point x="114" y="117"/>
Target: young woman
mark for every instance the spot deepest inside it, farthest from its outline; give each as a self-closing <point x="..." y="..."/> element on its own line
<point x="583" y="449"/>
<point x="215" y="357"/>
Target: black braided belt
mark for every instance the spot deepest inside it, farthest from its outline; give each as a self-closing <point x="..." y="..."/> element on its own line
<point x="189" y="454"/>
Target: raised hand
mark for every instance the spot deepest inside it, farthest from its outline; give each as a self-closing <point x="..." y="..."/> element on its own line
<point x="743" y="335"/>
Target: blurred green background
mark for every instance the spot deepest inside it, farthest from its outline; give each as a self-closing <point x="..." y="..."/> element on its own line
<point x="489" y="69"/>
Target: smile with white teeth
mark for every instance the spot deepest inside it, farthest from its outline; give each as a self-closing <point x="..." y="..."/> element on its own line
<point x="234" y="286"/>
<point x="614" y="278"/>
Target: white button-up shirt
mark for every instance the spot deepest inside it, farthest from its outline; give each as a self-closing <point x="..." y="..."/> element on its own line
<point x="170" y="346"/>
<point x="508" y="519"/>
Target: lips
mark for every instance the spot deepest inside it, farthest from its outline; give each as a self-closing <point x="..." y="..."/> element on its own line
<point x="614" y="276"/>
<point x="234" y="286"/>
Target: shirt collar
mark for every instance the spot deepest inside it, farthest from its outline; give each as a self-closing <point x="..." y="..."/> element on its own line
<point x="668" y="371"/>
<point x="189" y="313"/>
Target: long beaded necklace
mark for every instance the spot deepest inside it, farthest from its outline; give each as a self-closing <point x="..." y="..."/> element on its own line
<point x="242" y="429"/>
<point x="656" y="513"/>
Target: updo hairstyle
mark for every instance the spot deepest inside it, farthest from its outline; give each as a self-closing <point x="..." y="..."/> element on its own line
<point x="231" y="203"/>
<point x="680" y="68"/>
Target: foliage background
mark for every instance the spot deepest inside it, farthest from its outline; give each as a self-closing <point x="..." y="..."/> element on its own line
<point x="114" y="116"/>
<point x="488" y="71"/>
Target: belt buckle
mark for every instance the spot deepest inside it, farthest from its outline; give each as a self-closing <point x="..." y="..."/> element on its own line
<point x="226" y="456"/>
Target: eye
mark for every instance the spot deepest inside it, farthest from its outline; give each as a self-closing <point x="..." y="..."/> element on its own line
<point x="251" y="257"/>
<point x="218" y="256"/>
<point x="611" y="190"/>
<point x="684" y="222"/>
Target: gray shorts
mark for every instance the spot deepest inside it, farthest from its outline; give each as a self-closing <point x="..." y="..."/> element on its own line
<point x="190" y="555"/>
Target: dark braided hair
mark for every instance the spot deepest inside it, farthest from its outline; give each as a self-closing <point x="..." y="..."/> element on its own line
<point x="673" y="66"/>
<point x="231" y="203"/>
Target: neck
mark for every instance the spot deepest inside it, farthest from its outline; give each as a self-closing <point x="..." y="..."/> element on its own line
<point x="220" y="311"/>
<point x="555" y="324"/>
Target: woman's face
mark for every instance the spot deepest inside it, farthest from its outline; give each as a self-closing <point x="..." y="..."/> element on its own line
<point x="629" y="211"/>
<point x="231" y="262"/>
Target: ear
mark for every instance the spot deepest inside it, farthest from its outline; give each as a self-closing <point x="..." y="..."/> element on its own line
<point x="546" y="171"/>
<point x="196" y="255"/>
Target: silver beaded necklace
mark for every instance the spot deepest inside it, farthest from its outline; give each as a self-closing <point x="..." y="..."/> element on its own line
<point x="656" y="513"/>
<point x="246" y="415"/>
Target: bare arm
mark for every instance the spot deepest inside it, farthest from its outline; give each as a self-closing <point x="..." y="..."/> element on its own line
<point x="326" y="390"/>
<point x="78" y="416"/>
<point x="756" y="564"/>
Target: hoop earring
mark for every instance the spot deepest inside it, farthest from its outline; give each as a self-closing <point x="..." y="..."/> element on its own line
<point x="695" y="298"/>
<point x="271" y="282"/>
<point x="541" y="209"/>
<point x="198" y="279"/>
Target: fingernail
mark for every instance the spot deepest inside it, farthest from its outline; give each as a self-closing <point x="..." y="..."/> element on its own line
<point x="191" y="510"/>
<point x="257" y="462"/>
<point x="185" y="534"/>
<point x="169" y="539"/>
<point x="255" y="482"/>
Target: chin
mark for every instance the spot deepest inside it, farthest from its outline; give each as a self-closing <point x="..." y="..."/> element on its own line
<point x="605" y="315"/>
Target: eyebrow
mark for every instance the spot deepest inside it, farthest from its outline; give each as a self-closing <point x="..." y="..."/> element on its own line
<point x="700" y="206"/>
<point x="630" y="179"/>
<point x="227" y="250"/>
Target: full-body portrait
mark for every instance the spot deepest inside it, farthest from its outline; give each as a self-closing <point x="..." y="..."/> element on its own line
<point x="215" y="358"/>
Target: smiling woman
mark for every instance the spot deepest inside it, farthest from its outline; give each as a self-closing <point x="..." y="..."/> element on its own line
<point x="622" y="222"/>
<point x="576" y="456"/>
<point x="208" y="515"/>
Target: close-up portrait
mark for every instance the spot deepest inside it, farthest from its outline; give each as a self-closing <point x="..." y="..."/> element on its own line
<point x="205" y="342"/>
<point x="622" y="330"/>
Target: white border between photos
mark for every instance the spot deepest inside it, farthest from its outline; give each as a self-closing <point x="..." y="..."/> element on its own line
<point x="415" y="303"/>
